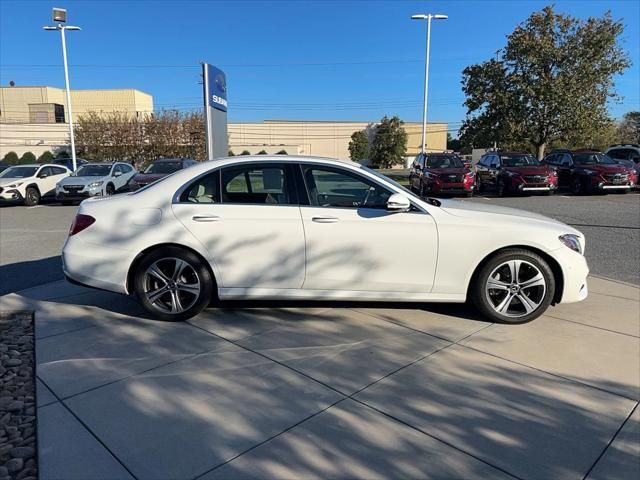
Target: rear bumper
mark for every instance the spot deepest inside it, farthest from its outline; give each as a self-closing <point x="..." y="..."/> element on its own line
<point x="96" y="266"/>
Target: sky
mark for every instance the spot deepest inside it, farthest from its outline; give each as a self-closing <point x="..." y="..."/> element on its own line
<point x="293" y="60"/>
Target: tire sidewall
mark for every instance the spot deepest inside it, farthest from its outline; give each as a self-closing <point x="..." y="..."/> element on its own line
<point x="481" y="301"/>
<point x="206" y="283"/>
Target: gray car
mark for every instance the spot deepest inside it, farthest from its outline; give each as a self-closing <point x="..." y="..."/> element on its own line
<point x="94" y="179"/>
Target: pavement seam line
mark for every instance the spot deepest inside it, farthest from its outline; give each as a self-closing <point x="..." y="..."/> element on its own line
<point x="615" y="435"/>
<point x="592" y="326"/>
<point x="86" y="427"/>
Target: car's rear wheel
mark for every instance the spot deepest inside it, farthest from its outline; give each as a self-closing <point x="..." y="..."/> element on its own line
<point x="514" y="286"/>
<point x="31" y="197"/>
<point x="173" y="284"/>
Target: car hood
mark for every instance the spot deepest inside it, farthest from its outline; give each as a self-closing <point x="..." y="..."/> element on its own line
<point x="528" y="170"/>
<point x="605" y="168"/>
<point x="467" y="208"/>
<point x="9" y="180"/>
<point x="148" y="177"/>
<point x="448" y="171"/>
<point x="81" y="180"/>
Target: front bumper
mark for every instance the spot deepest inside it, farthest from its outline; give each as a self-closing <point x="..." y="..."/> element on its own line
<point x="574" y="271"/>
<point x="451" y="188"/>
<point x="63" y="195"/>
<point x="10" y="195"/>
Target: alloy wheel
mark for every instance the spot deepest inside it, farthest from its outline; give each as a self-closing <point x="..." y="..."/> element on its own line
<point x="171" y="285"/>
<point x="515" y="288"/>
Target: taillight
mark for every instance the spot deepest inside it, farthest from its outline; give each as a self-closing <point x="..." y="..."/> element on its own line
<point x="80" y="223"/>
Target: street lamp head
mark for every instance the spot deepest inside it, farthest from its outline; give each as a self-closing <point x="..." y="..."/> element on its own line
<point x="59" y="15"/>
<point x="71" y="27"/>
<point x="440" y="17"/>
<point x="418" y="17"/>
<point x="50" y="28"/>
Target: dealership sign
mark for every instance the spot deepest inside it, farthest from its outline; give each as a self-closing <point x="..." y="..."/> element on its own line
<point x="215" y="109"/>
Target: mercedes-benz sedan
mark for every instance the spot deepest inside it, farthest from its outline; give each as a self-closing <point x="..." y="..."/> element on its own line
<point x="269" y="227"/>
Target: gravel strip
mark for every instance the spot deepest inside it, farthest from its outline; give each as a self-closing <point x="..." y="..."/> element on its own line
<point x="18" y="459"/>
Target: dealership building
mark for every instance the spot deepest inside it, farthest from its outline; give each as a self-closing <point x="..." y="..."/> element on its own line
<point x="35" y="119"/>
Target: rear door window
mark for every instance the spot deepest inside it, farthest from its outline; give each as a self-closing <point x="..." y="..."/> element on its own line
<point x="269" y="184"/>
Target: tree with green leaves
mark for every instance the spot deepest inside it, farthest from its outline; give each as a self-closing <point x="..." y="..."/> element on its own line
<point x="453" y="144"/>
<point x="230" y="153"/>
<point x="389" y="145"/>
<point x="282" y="152"/>
<point x="11" y="158"/>
<point x="262" y="152"/>
<point x="46" y="157"/>
<point x="27" y="157"/>
<point x="628" y="130"/>
<point x="359" y="146"/>
<point x="245" y="152"/>
<point x="549" y="83"/>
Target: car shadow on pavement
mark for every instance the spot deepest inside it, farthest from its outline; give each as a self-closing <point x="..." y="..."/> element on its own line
<point x="22" y="275"/>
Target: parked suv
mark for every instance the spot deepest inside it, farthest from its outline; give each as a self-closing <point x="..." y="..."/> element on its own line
<point x="590" y="171"/>
<point x="627" y="154"/>
<point x="94" y="179"/>
<point x="514" y="172"/>
<point x="30" y="183"/>
<point x="440" y="173"/>
<point x="158" y="169"/>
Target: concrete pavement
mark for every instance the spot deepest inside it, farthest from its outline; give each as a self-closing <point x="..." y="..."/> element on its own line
<point x="336" y="390"/>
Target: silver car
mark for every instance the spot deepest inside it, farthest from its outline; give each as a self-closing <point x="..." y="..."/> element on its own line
<point x="94" y="179"/>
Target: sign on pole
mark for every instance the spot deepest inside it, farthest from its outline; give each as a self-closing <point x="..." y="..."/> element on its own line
<point x="215" y="111"/>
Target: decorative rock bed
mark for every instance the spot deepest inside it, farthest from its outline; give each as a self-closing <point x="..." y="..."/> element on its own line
<point x="18" y="458"/>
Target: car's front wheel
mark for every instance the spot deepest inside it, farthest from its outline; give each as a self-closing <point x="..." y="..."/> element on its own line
<point x="31" y="197"/>
<point x="514" y="286"/>
<point x="173" y="284"/>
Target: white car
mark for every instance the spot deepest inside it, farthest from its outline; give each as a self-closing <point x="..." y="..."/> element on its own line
<point x="269" y="227"/>
<point x="31" y="183"/>
<point x="94" y="179"/>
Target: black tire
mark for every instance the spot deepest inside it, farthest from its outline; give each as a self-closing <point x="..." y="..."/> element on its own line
<point x="485" y="301"/>
<point x="162" y="259"/>
<point x="469" y="194"/>
<point x="501" y="188"/>
<point x="576" y="186"/>
<point x="110" y="189"/>
<point x="31" y="197"/>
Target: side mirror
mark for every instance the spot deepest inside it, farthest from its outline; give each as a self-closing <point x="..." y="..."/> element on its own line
<point x="42" y="175"/>
<point x="417" y="166"/>
<point x="398" y="203"/>
<point x="117" y="173"/>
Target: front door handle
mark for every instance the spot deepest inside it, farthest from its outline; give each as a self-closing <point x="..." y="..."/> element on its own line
<point x="324" y="219"/>
<point x="205" y="218"/>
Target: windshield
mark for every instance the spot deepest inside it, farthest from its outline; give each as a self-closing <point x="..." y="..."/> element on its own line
<point x="593" y="159"/>
<point x="519" y="161"/>
<point x="163" y="167"/>
<point x="444" y="161"/>
<point x="390" y="180"/>
<point x="93" y="171"/>
<point x="19" y="172"/>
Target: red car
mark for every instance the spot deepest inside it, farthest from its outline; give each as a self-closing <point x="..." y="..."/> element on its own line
<point x="590" y="171"/>
<point x="158" y="169"/>
<point x="441" y="173"/>
<point x="514" y="172"/>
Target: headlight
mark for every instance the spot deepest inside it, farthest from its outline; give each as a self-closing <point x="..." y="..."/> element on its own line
<point x="14" y="185"/>
<point x="571" y="241"/>
<point x="95" y="184"/>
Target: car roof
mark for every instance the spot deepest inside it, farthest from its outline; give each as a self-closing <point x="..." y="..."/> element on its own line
<point x="178" y="159"/>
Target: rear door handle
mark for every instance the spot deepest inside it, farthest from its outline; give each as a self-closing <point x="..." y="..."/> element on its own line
<point x="324" y="219"/>
<point x="205" y="218"/>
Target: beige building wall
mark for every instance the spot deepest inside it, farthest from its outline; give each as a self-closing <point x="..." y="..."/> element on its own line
<point x="15" y="101"/>
<point x="323" y="139"/>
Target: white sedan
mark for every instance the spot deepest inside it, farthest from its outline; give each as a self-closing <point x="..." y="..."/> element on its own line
<point x="274" y="227"/>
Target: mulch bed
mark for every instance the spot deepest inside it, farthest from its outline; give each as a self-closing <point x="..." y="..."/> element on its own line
<point x="18" y="452"/>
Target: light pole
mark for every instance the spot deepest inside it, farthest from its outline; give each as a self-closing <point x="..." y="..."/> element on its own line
<point x="428" y="17"/>
<point x="60" y="16"/>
